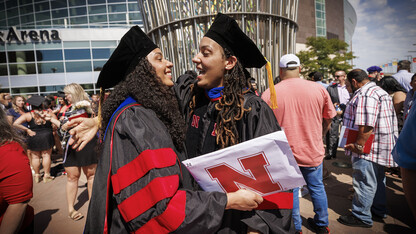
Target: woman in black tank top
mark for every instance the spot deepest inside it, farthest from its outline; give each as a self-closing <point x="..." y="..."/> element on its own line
<point x="40" y="138"/>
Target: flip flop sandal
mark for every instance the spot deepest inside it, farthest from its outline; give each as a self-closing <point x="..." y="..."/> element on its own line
<point x="75" y="215"/>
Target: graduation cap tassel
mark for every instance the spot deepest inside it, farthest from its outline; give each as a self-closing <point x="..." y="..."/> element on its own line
<point x="273" y="98"/>
<point x="99" y="107"/>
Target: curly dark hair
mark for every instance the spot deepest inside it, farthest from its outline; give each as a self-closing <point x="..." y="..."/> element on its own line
<point x="231" y="106"/>
<point x="147" y="88"/>
<point x="8" y="133"/>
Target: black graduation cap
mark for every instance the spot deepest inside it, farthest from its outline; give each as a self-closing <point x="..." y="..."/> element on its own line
<point x="36" y="100"/>
<point x="134" y="45"/>
<point x="61" y="93"/>
<point x="226" y="32"/>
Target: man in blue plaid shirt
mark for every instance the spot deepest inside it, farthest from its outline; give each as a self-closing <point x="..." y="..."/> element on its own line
<point x="370" y="111"/>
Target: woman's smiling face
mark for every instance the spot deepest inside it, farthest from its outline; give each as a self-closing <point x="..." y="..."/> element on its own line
<point x="211" y="64"/>
<point x="161" y="66"/>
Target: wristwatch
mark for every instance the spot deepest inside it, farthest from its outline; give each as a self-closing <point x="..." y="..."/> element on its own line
<point x="359" y="147"/>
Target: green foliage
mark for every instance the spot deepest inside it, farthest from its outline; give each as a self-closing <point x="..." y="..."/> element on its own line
<point x="325" y="56"/>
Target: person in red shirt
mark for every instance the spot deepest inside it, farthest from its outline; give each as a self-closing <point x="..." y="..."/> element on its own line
<point x="15" y="182"/>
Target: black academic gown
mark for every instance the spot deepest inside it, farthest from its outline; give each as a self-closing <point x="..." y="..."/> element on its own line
<point x="201" y="139"/>
<point x="143" y="191"/>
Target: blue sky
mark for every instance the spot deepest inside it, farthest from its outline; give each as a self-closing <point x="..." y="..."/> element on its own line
<point x="386" y="30"/>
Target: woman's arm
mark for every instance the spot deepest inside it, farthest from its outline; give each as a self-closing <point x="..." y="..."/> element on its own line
<point x="10" y="119"/>
<point x="398" y="101"/>
<point x="13" y="218"/>
<point x="22" y="119"/>
<point x="50" y="116"/>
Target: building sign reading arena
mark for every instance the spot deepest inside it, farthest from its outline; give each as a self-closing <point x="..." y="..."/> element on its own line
<point x="22" y="35"/>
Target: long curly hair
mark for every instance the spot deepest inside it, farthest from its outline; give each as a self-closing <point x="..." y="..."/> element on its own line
<point x="8" y="133"/>
<point x="15" y="107"/>
<point x="231" y="106"/>
<point x="147" y="89"/>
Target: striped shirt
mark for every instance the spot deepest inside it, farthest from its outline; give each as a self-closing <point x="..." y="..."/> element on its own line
<point x="372" y="106"/>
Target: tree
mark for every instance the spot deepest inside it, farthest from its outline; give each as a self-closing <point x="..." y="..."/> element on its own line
<point x="325" y="56"/>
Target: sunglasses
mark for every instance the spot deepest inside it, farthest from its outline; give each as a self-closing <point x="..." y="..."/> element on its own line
<point x="338" y="76"/>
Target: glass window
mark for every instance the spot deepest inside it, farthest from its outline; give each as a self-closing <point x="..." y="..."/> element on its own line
<point x="104" y="43"/>
<point x="116" y="1"/>
<point x="3" y="70"/>
<point x="44" y="6"/>
<point x="27" y="18"/>
<point x="77" y="2"/>
<point x="49" y="55"/>
<point x="58" y="4"/>
<point x="319" y="22"/>
<point x="52" y="89"/>
<point x="98" y="18"/>
<point x="79" y="20"/>
<point x="26" y="9"/>
<point x="78" y="66"/>
<point x="117" y="17"/>
<point x="79" y="11"/>
<point x="87" y="86"/>
<point x="2" y="57"/>
<point x="57" y="67"/>
<point x="3" y="14"/>
<point x="44" y="24"/>
<point x="133" y="6"/>
<point x="13" y="21"/>
<point x="321" y="32"/>
<point x="21" y="56"/>
<point x="101" y="53"/>
<point x="117" y="8"/>
<point x="59" y="13"/>
<point x="97" y="9"/>
<point x="10" y="4"/>
<point x="96" y="1"/>
<point x="23" y="2"/>
<point x="318" y="14"/>
<point x="22" y="69"/>
<point x="98" y="65"/>
<point x="58" y="22"/>
<point x="25" y="90"/>
<point x="135" y="17"/>
<point x="3" y="23"/>
<point x="20" y="46"/>
<point x="74" y="54"/>
<point x="48" y="45"/>
<point x="72" y="44"/>
<point x="43" y="16"/>
<point x="13" y="12"/>
<point x="319" y="6"/>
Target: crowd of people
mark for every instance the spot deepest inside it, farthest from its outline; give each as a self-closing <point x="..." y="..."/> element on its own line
<point x="130" y="143"/>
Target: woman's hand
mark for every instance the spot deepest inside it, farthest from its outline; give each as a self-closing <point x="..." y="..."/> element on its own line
<point x="244" y="200"/>
<point x="31" y="133"/>
<point x="83" y="131"/>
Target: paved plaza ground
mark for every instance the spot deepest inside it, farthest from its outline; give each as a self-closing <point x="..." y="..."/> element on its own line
<point x="51" y="216"/>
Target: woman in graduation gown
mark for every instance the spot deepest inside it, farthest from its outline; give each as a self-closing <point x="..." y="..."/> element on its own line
<point x="138" y="185"/>
<point x="222" y="110"/>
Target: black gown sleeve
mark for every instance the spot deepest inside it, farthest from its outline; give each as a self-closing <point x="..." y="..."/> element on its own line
<point x="182" y="90"/>
<point x="146" y="193"/>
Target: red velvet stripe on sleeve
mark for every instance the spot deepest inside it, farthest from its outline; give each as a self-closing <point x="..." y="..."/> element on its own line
<point x="170" y="219"/>
<point x="136" y="169"/>
<point x="157" y="190"/>
<point x="282" y="200"/>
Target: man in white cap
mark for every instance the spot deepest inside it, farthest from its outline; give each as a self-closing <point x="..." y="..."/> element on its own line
<point x="304" y="111"/>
